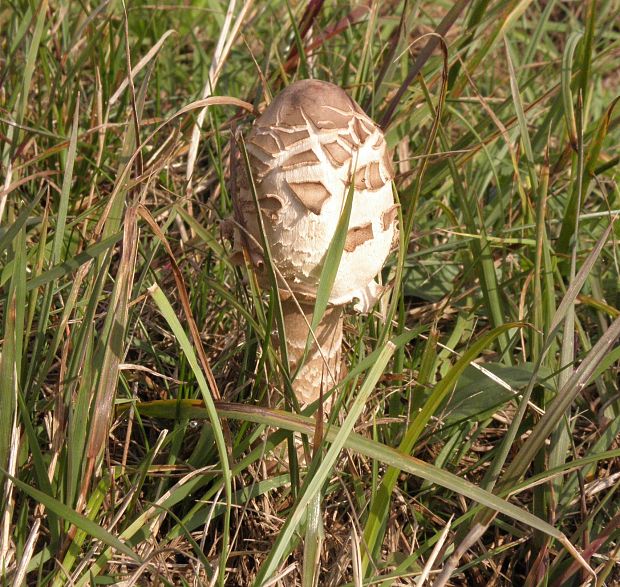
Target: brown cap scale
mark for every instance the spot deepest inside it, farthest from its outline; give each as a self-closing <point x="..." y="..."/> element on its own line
<point x="305" y="150"/>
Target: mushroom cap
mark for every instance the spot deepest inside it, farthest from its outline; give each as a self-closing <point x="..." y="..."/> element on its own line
<point x="305" y="150"/>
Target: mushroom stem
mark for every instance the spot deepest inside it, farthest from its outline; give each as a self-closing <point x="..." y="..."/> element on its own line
<point x="321" y="369"/>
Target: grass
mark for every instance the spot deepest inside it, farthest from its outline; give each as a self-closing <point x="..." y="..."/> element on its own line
<point x="475" y="438"/>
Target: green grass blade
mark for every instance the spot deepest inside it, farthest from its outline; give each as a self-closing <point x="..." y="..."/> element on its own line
<point x="312" y="485"/>
<point x="565" y="397"/>
<point x="371" y="448"/>
<point x="80" y="521"/>
<point x="329" y="271"/>
<point x="170" y="315"/>
<point x="70" y="265"/>
<point x="380" y="505"/>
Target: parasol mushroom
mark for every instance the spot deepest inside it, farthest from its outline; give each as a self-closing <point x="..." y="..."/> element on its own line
<point x="304" y="152"/>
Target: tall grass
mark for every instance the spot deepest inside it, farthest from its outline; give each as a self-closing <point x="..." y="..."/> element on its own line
<point x="475" y="439"/>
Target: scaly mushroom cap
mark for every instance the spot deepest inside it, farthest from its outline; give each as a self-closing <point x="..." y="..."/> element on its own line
<point x="304" y="151"/>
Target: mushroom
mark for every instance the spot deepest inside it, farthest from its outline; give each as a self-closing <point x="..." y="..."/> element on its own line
<point x="304" y="152"/>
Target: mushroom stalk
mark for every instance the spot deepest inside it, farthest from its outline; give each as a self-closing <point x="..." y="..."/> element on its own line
<point x="321" y="368"/>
